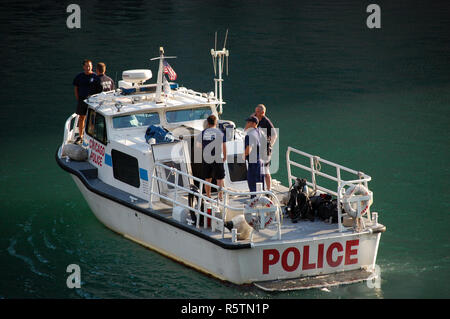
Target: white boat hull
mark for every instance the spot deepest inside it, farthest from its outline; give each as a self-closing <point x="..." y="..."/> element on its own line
<point x="260" y="262"/>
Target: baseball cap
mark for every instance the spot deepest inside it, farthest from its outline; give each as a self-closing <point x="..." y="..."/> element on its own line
<point x="253" y="119"/>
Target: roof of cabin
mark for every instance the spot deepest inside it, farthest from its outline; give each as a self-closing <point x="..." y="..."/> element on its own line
<point x="179" y="98"/>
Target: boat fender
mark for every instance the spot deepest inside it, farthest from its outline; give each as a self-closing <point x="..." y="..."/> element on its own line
<point x="75" y="152"/>
<point x="251" y="211"/>
<point x="240" y="224"/>
<point x="180" y="214"/>
<point x="351" y="208"/>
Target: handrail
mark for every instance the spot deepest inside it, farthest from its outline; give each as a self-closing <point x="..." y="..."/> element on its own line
<point x="68" y="133"/>
<point x="221" y="204"/>
<point x="314" y="161"/>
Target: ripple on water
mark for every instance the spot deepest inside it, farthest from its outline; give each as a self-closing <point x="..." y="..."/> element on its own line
<point x="28" y="261"/>
<point x="47" y="242"/>
<point x="36" y="252"/>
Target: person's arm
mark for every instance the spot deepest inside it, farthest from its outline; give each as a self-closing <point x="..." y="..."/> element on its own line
<point x="271" y="132"/>
<point x="274" y="136"/>
<point x="75" y="89"/>
<point x="247" y="147"/>
<point x="248" y="150"/>
<point x="224" y="151"/>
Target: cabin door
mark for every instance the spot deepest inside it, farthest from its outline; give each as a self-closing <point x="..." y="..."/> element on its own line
<point x="174" y="155"/>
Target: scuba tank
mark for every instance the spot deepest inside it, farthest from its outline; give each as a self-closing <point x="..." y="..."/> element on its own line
<point x="299" y="205"/>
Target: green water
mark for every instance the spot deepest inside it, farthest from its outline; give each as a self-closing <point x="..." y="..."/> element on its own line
<point x="372" y="100"/>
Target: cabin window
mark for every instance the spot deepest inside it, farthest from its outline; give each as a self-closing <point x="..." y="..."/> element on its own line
<point x="237" y="168"/>
<point x="136" y="120"/>
<point x="200" y="113"/>
<point x="125" y="168"/>
<point x="96" y="126"/>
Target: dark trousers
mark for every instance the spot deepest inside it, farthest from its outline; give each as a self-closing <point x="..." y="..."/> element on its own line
<point x="254" y="176"/>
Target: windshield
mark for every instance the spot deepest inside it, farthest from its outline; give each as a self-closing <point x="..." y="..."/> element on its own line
<point x="136" y="120"/>
<point x="200" y="113"/>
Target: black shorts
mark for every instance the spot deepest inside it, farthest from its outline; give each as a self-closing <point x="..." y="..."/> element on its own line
<point x="81" y="108"/>
<point x="213" y="170"/>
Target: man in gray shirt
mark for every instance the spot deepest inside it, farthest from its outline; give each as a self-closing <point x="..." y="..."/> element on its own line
<point x="252" y="153"/>
<point x="106" y="83"/>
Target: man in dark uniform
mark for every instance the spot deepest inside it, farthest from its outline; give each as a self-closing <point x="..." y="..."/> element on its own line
<point x="252" y="153"/>
<point x="107" y="84"/>
<point x="269" y="130"/>
<point x="214" y="154"/>
<point x="85" y="84"/>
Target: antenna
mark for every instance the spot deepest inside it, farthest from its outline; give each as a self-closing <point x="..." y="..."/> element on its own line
<point x="224" y="43"/>
<point x="213" y="56"/>
<point x="218" y="61"/>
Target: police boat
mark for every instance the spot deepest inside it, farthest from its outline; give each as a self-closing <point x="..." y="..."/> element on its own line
<point x="151" y="191"/>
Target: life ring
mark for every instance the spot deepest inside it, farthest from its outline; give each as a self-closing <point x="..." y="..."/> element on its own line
<point x="351" y="208"/>
<point x="252" y="212"/>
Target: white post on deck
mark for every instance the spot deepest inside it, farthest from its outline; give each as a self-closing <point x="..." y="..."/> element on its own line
<point x="159" y="81"/>
<point x="160" y="72"/>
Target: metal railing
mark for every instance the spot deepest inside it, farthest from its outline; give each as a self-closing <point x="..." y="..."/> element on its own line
<point x="314" y="169"/>
<point x="69" y="130"/>
<point x="224" y="205"/>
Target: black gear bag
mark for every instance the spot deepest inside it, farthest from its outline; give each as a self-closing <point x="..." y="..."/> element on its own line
<point x="299" y="205"/>
<point x="325" y="207"/>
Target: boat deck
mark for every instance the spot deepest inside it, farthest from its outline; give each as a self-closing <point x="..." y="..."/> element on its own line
<point x="302" y="230"/>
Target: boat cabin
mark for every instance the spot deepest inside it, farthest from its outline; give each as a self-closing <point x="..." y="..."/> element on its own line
<point x="116" y="125"/>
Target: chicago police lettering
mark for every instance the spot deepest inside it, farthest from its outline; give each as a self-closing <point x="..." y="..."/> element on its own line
<point x="97" y="152"/>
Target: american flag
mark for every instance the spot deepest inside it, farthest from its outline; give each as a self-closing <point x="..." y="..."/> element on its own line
<point x="168" y="70"/>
